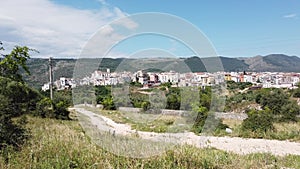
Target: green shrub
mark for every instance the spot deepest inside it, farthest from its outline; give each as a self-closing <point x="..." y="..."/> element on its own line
<point x="289" y="112"/>
<point x="61" y="110"/>
<point x="206" y="121"/>
<point x="258" y="122"/>
<point x="145" y="105"/>
<point x="44" y="108"/>
<point x="49" y="109"/>
<point x="274" y="100"/>
<point x="108" y="104"/>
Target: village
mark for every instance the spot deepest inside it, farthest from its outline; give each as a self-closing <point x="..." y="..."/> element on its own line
<point x="152" y="79"/>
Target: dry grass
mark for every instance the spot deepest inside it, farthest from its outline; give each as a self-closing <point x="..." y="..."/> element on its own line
<point x="145" y="121"/>
<point x="232" y="123"/>
<point x="63" y="144"/>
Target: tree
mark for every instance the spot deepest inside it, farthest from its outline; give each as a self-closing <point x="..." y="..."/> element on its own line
<point x="258" y="122"/>
<point x="290" y="112"/>
<point x="205" y="121"/>
<point x="22" y="98"/>
<point x="44" y="108"/>
<point x="11" y="63"/>
<point x="274" y="100"/>
<point x="173" y="101"/>
<point x="297" y="93"/>
<point x="12" y="133"/>
<point x="189" y="98"/>
<point x="16" y="98"/>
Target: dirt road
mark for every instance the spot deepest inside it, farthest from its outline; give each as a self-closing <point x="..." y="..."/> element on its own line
<point x="232" y="144"/>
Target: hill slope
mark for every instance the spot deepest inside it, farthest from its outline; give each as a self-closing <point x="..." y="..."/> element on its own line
<point x="273" y="63"/>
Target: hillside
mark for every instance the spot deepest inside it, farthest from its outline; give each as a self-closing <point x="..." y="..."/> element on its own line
<point x="39" y="69"/>
<point x="64" y="67"/>
<point x="273" y="63"/>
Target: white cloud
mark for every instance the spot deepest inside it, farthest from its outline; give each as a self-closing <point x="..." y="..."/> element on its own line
<point x="293" y="15"/>
<point x="54" y="30"/>
<point x="103" y="2"/>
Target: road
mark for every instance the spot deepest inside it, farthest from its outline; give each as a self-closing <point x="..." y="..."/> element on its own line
<point x="231" y="144"/>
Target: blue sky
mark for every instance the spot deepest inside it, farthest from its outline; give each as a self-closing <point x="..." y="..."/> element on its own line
<point x="235" y="28"/>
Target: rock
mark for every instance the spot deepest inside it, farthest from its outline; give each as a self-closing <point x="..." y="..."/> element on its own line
<point x="228" y="130"/>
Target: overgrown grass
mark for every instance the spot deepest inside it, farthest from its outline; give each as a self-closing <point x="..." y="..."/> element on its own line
<point x="160" y="124"/>
<point x="146" y="121"/>
<point x="63" y="144"/>
<point x="282" y="131"/>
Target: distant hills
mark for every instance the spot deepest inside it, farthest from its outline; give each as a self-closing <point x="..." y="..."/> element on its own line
<point x="273" y="63"/>
<point x="64" y="67"/>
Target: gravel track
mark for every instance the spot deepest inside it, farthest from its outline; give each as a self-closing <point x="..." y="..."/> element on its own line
<point x="231" y="144"/>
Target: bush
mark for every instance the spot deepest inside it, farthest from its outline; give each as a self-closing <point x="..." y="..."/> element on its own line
<point x="48" y="109"/>
<point x="16" y="99"/>
<point x="297" y="93"/>
<point x="12" y="132"/>
<point x="258" y="122"/>
<point x="44" y="108"/>
<point x="60" y="110"/>
<point x="108" y="104"/>
<point x="289" y="112"/>
<point x="207" y="122"/>
<point x="274" y="100"/>
<point x="145" y="105"/>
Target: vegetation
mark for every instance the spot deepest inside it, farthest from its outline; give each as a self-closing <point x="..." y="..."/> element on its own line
<point x="265" y="108"/>
<point x="231" y="85"/>
<point x="296" y="92"/>
<point x="258" y="123"/>
<point x="17" y="100"/>
<point x="282" y="63"/>
<point x="48" y="148"/>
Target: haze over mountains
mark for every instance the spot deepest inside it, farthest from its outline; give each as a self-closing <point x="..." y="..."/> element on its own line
<point x="64" y="67"/>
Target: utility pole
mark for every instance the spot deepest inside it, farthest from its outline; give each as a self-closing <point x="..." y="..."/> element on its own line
<point x="50" y="78"/>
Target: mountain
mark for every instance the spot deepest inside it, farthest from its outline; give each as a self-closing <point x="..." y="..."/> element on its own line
<point x="39" y="68"/>
<point x="197" y="64"/>
<point x="273" y="63"/>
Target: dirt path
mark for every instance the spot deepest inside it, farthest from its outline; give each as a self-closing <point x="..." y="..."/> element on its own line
<point x="233" y="144"/>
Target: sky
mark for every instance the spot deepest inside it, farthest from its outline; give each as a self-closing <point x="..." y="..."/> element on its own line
<point x="67" y="28"/>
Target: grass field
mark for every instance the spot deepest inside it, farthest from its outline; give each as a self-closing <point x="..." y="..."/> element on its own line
<point x="147" y="122"/>
<point x="63" y="144"/>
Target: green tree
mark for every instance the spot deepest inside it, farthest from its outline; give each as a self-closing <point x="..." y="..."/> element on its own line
<point x="258" y="123"/>
<point x="189" y="98"/>
<point x="12" y="133"/>
<point x="56" y="108"/>
<point x="44" y="108"/>
<point x="274" y="100"/>
<point x="296" y="93"/>
<point x="11" y="63"/>
<point x="102" y="92"/>
<point x="205" y="97"/>
<point x="290" y="112"/>
<point x="173" y="101"/>
<point x="16" y="99"/>
<point x="205" y="120"/>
